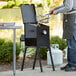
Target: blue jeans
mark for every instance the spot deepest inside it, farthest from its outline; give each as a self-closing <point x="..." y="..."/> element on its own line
<point x="71" y="52"/>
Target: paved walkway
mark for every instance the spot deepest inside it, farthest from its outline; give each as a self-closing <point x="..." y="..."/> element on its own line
<point x="47" y="72"/>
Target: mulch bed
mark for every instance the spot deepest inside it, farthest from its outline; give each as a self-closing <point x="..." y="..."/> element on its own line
<point x="28" y="64"/>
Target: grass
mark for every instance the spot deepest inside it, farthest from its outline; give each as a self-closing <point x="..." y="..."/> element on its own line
<point x="10" y="15"/>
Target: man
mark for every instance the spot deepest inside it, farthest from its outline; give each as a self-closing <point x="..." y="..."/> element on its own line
<point x="68" y="8"/>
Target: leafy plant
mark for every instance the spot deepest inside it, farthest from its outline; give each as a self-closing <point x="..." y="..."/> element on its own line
<point x="10" y="4"/>
<point x="43" y="53"/>
<point x="60" y="41"/>
<point x="6" y="51"/>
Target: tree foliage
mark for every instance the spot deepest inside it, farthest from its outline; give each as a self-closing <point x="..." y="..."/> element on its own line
<point x="56" y="3"/>
<point x="44" y="3"/>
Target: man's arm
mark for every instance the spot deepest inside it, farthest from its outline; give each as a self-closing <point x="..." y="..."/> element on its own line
<point x="67" y="6"/>
<point x="59" y="7"/>
<point x="55" y="8"/>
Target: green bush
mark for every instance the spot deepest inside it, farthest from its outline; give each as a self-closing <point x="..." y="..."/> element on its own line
<point x="39" y="5"/>
<point x="43" y="53"/>
<point x="6" y="50"/>
<point x="60" y="41"/>
<point x="18" y="3"/>
<point x="10" y="4"/>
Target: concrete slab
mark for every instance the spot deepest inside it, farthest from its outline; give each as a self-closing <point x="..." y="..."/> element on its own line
<point x="47" y="72"/>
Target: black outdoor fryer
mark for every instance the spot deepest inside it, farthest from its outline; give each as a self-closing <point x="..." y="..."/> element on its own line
<point x="35" y="34"/>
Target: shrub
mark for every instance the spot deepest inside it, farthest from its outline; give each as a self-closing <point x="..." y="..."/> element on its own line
<point x="60" y="41"/>
<point x="1" y="41"/>
<point x="18" y="3"/>
<point x="10" y="4"/>
<point x="6" y="51"/>
<point x="43" y="53"/>
<point x="39" y="5"/>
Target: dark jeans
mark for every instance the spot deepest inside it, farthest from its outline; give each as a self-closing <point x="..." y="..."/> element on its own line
<point x="71" y="52"/>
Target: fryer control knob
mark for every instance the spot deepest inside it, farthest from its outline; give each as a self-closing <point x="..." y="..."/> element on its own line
<point x="44" y="32"/>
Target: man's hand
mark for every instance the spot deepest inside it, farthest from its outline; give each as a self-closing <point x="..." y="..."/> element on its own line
<point x="54" y="12"/>
<point x="1" y="24"/>
<point x="51" y="11"/>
